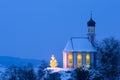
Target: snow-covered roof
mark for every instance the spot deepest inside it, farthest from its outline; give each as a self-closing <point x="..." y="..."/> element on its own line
<point x="81" y="44"/>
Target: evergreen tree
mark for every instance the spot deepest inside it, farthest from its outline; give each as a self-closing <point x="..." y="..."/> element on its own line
<point x="10" y="73"/>
<point x="19" y="73"/>
<point x="53" y="62"/>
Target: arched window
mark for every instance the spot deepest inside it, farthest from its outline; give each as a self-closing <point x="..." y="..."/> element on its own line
<point x="79" y="60"/>
<point x="87" y="60"/>
<point x="70" y="60"/>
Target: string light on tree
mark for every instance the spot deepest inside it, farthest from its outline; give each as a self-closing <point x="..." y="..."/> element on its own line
<point x="53" y="62"/>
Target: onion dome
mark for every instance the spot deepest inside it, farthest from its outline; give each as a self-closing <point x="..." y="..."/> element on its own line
<point x="91" y="22"/>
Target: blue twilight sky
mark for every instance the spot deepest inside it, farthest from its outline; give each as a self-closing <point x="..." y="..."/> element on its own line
<point x="38" y="28"/>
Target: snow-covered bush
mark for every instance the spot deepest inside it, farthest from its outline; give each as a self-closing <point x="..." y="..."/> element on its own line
<point x="54" y="76"/>
<point x="81" y="74"/>
<point x="19" y="73"/>
<point x="41" y="72"/>
<point x="28" y="73"/>
<point x="10" y="73"/>
<point x="50" y="75"/>
<point x="95" y="75"/>
<point x="86" y="74"/>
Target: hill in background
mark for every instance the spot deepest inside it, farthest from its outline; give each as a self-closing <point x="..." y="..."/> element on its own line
<point x="6" y="61"/>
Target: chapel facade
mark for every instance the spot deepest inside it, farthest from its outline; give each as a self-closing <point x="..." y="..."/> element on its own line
<point x="80" y="51"/>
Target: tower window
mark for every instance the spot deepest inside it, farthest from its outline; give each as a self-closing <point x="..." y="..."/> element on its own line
<point x="88" y="60"/>
<point x="79" y="60"/>
<point x="92" y="29"/>
<point x="70" y="60"/>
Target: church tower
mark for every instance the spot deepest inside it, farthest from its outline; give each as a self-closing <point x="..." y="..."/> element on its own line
<point x="79" y="51"/>
<point x="91" y="30"/>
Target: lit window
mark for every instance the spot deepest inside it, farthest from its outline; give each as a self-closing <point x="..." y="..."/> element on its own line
<point x="70" y="60"/>
<point x="79" y="60"/>
<point x="87" y="60"/>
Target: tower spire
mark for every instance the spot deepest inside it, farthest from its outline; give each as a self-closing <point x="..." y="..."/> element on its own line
<point x="91" y="14"/>
<point x="91" y="29"/>
<point x="91" y="22"/>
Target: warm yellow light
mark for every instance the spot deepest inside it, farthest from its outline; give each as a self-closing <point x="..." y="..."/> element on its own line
<point x="79" y="60"/>
<point x="87" y="60"/>
<point x="87" y="56"/>
<point x="70" y="60"/>
<point x="79" y="57"/>
<point x="53" y="62"/>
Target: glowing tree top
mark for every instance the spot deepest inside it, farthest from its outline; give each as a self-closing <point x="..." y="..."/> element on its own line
<point x="53" y="62"/>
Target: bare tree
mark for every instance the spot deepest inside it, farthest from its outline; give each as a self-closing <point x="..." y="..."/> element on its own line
<point x="109" y="52"/>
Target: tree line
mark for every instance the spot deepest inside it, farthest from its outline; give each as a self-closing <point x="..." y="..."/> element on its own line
<point x="24" y="73"/>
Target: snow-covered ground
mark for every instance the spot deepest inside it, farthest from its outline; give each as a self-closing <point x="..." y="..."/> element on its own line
<point x="65" y="73"/>
<point x="57" y="69"/>
<point x="2" y="69"/>
<point x="59" y="73"/>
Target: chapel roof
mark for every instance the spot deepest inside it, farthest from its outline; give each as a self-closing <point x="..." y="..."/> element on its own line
<point x="79" y="44"/>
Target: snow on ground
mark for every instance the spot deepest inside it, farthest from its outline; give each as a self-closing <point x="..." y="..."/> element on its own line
<point x="65" y="76"/>
<point x="56" y="69"/>
<point x="2" y="69"/>
<point x="65" y="73"/>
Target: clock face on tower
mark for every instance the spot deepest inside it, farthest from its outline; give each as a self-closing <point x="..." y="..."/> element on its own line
<point x="92" y="30"/>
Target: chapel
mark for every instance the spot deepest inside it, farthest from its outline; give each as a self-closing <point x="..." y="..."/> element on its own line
<point x="80" y="51"/>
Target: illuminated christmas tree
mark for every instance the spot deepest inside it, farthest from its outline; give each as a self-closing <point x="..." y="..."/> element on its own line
<point x="53" y="62"/>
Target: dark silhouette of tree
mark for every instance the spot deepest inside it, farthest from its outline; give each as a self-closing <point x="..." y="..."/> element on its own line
<point x="86" y="74"/>
<point x="26" y="73"/>
<point x="81" y="74"/>
<point x="19" y="73"/>
<point x="108" y="53"/>
<point x="30" y="72"/>
<point x="10" y="73"/>
<point x="54" y="76"/>
<point x="41" y="68"/>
